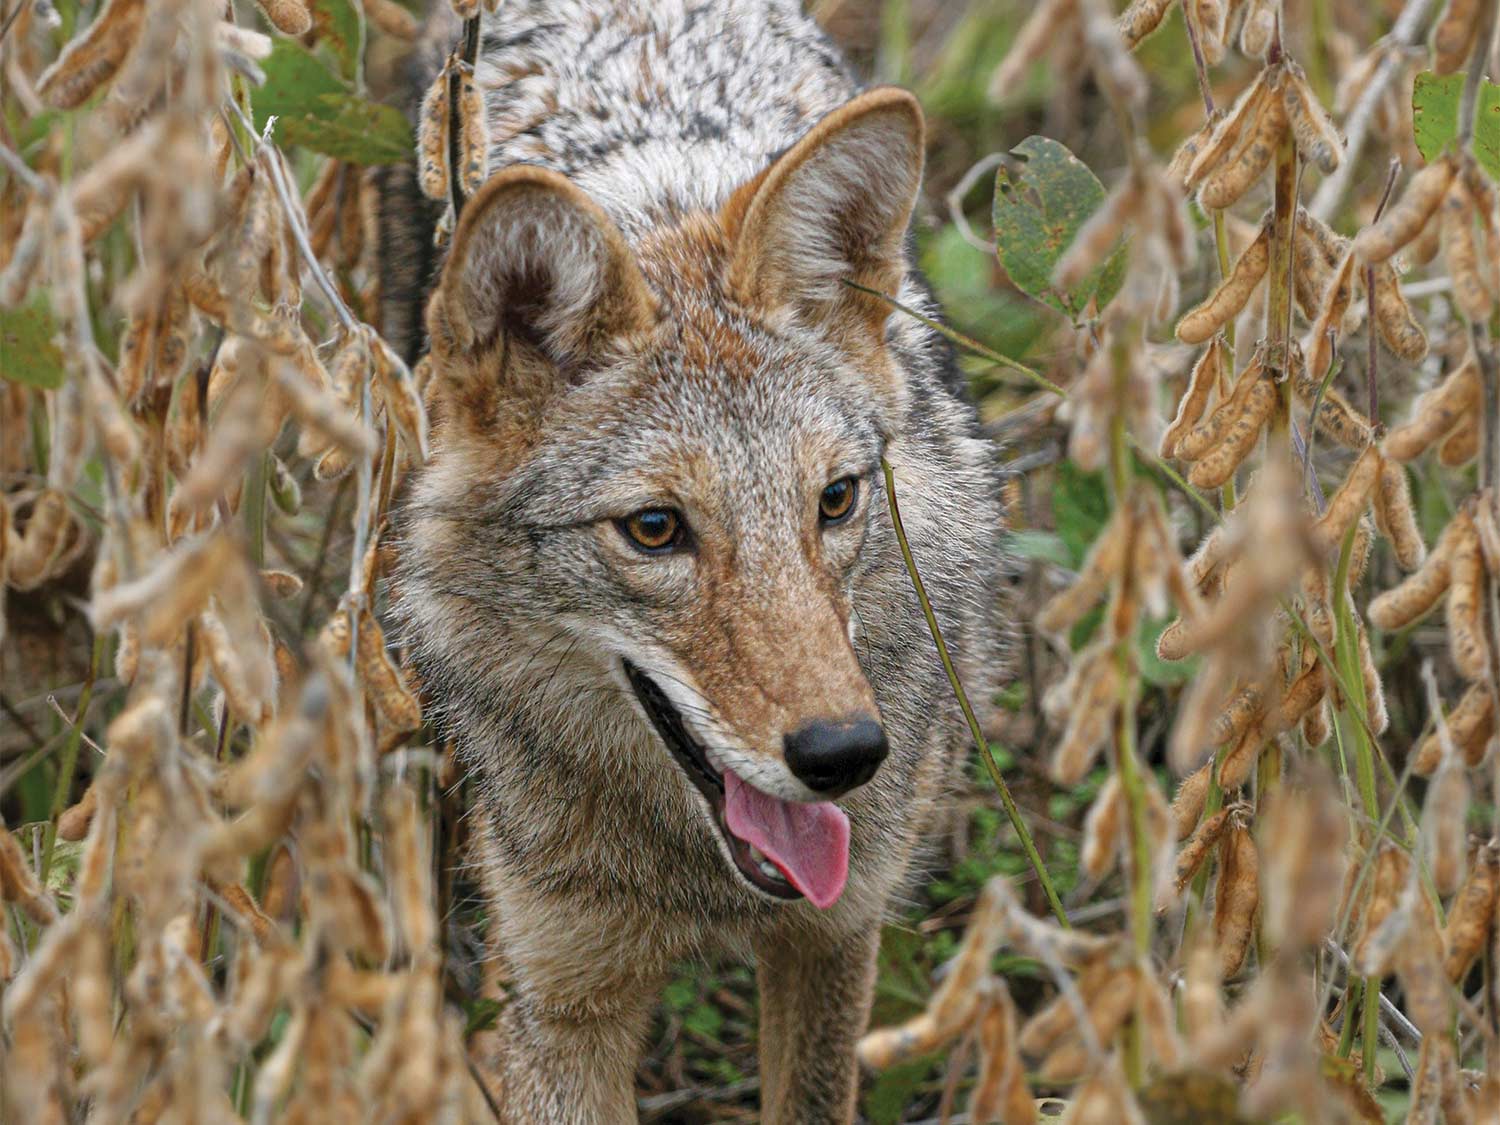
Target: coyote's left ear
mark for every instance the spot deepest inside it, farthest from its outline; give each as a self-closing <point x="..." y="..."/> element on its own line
<point x="836" y="205"/>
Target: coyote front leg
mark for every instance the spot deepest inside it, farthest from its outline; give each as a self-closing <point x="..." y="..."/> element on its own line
<point x="571" y="1064"/>
<point x="814" y="1004"/>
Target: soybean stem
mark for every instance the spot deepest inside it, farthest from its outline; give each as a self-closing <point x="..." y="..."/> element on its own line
<point x="986" y="755"/>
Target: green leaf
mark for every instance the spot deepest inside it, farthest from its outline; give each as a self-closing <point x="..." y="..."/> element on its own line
<point x="1038" y="210"/>
<point x="1434" y="105"/>
<point x="316" y="110"/>
<point x="1080" y="506"/>
<point x="480" y="1014"/>
<point x="28" y="351"/>
<point x="340" y="30"/>
<point x="1044" y="545"/>
<point x="895" y="1088"/>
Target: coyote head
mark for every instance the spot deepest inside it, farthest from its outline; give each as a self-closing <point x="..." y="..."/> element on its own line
<point x="667" y="454"/>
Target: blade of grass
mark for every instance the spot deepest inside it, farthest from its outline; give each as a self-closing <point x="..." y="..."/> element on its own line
<point x="986" y="754"/>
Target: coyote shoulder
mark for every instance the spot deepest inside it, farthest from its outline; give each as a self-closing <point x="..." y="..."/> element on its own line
<point x="649" y="578"/>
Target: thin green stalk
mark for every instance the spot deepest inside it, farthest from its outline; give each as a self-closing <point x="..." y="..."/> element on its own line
<point x="1353" y="992"/>
<point x="255" y="507"/>
<point x="1212" y="803"/>
<point x="1132" y="784"/>
<point x="1346" y="650"/>
<point x="1346" y="647"/>
<point x="68" y="766"/>
<point x="966" y="342"/>
<point x="986" y="755"/>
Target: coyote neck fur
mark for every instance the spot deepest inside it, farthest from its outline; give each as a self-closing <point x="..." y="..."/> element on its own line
<point x="644" y="309"/>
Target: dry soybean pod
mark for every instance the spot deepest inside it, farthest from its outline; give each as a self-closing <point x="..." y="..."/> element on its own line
<point x="1193" y="853"/>
<point x="1419" y="591"/>
<point x="1141" y="19"/>
<point x="1253" y="156"/>
<point x="1236" y="899"/>
<point x="1396" y="517"/>
<point x="1259" y="26"/>
<point x="1393" y="317"/>
<point x="432" y="139"/>
<point x="1219" y="464"/>
<point x="1318" y="346"/>
<point x="384" y="682"/>
<point x="1101" y="830"/>
<point x="1436" y="413"/>
<point x="1208" y="433"/>
<point x="1408" y="215"/>
<point x="1226" y="137"/>
<point x="1317" y="142"/>
<point x="1453" y="38"/>
<point x="1207" y="374"/>
<point x="1349" y="503"/>
<point x="1188" y="804"/>
<point x="290" y="17"/>
<point x="1211" y="17"/>
<point x="92" y="58"/>
<point x="1225" y="303"/>
<point x="1088" y="729"/>
<point x="1471" y="916"/>
<point x="1461" y="446"/>
<point x="1461" y="253"/>
<point x="1465" y="600"/>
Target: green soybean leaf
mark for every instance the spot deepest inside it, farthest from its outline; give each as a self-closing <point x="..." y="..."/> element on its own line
<point x="1434" y="104"/>
<point x="28" y="353"/>
<point x="1039" y="206"/>
<point x="315" y="109"/>
<point x="340" y="31"/>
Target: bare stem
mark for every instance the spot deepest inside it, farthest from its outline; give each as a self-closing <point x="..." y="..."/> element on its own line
<point x="1372" y="358"/>
<point x="458" y="68"/>
<point x="986" y="754"/>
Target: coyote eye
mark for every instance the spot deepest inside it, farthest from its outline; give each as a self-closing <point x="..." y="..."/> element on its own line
<point x="838" y="499"/>
<point x="653" y="530"/>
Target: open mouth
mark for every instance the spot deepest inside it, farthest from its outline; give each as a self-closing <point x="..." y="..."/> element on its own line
<point x="785" y="849"/>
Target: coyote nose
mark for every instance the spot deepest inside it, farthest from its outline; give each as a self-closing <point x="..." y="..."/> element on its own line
<point x="833" y="757"/>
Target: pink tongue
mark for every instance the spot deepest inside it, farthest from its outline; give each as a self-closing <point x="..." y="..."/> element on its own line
<point x="808" y="843"/>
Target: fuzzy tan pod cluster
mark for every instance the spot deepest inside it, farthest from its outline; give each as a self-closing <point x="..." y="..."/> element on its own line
<point x="435" y="140"/>
<point x="964" y="997"/>
<point x="1446" y="416"/>
<point x="1241" y="147"/>
<point x="1456" y="567"/>
<point x="1302" y="835"/>
<point x="1218" y="444"/>
<point x="93" y="57"/>
<point x="1470" y="726"/>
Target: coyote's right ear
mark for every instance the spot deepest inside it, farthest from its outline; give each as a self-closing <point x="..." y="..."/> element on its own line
<point x="534" y="260"/>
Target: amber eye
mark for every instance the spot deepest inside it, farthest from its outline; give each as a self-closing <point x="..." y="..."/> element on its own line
<point x="838" y="499"/>
<point x="653" y="529"/>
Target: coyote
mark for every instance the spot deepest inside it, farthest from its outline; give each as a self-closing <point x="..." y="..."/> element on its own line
<point x="649" y="579"/>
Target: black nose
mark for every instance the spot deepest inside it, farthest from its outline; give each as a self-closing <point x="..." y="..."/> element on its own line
<point x="833" y="757"/>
